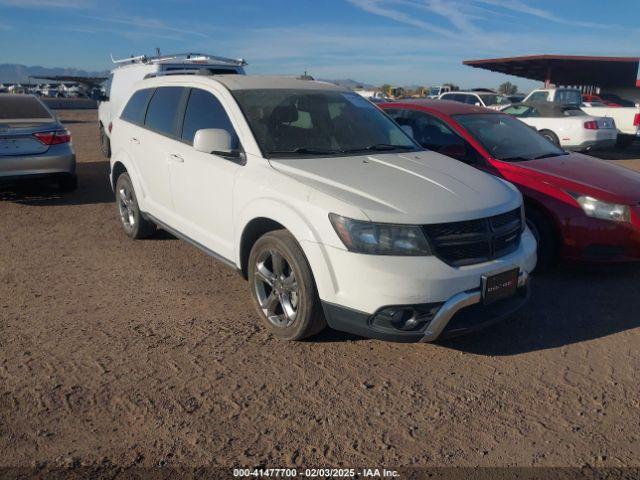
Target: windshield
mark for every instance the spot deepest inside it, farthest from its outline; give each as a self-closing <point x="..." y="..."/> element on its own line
<point x="491" y="99"/>
<point x="294" y="123"/>
<point x="434" y="91"/>
<point x="507" y="138"/>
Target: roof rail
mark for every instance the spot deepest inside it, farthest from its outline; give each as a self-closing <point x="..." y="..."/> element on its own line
<point x="183" y="57"/>
<point x="204" y="71"/>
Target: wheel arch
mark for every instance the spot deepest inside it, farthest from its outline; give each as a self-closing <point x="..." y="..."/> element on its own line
<point x="252" y="231"/>
<point x="117" y="169"/>
<point x="554" y="222"/>
<point x="268" y="214"/>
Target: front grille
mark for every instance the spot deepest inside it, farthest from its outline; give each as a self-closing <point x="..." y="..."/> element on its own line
<point x="475" y="241"/>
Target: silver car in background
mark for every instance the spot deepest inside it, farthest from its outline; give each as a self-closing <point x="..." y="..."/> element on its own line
<point x="33" y="143"/>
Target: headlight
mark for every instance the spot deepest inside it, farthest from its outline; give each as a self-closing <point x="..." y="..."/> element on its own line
<point x="380" y="238"/>
<point x="606" y="211"/>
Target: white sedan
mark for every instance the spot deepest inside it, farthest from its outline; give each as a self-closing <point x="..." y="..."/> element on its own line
<point x="566" y="125"/>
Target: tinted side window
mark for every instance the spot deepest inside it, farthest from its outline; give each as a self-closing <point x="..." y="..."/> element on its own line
<point x="162" y="114"/>
<point x="137" y="106"/>
<point x="205" y="111"/>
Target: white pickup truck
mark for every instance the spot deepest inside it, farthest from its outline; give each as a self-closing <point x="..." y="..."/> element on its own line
<point x="627" y="119"/>
<point x="131" y="70"/>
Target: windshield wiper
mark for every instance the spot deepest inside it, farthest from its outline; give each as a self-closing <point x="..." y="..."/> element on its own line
<point x="549" y="155"/>
<point x="305" y="151"/>
<point x="516" y="159"/>
<point x="380" y="147"/>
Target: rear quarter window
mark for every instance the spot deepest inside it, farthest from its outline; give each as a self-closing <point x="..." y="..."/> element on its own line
<point x="136" y="107"/>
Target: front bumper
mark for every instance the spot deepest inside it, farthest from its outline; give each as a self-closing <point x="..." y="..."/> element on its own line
<point x="593" y="240"/>
<point x="461" y="314"/>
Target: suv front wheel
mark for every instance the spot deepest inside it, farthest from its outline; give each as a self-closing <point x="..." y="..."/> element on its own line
<point x="282" y="287"/>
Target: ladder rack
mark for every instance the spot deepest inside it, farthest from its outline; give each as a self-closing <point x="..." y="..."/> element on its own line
<point x="196" y="58"/>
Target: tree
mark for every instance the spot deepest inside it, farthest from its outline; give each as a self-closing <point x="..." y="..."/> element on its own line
<point x="508" y="88"/>
<point x="386" y="89"/>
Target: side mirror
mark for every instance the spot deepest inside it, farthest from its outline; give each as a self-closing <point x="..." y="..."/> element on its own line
<point x="478" y="104"/>
<point x="408" y="129"/>
<point x="216" y="141"/>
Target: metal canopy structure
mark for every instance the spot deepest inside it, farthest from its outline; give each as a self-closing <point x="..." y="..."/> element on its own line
<point x="566" y="69"/>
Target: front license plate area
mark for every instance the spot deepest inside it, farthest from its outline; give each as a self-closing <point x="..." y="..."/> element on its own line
<point x="499" y="285"/>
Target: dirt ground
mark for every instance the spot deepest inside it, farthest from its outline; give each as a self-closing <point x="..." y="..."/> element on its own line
<point x="149" y="353"/>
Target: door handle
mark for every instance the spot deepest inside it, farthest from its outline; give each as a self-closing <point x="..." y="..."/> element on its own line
<point x="176" y="158"/>
<point x="135" y="140"/>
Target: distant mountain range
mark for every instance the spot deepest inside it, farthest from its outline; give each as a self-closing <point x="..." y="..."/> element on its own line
<point x="14" y="73"/>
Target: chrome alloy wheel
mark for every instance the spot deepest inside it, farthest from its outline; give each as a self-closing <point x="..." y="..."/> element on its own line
<point x="276" y="288"/>
<point x="126" y="207"/>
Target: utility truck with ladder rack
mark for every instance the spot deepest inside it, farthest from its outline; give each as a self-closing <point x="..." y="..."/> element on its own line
<point x="129" y="71"/>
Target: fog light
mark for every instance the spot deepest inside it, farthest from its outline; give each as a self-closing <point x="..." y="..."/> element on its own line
<point x="404" y="319"/>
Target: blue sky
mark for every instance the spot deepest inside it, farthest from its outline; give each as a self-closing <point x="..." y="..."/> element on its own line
<point x="403" y="42"/>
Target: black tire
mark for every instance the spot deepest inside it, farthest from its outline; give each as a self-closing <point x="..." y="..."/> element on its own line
<point x="131" y="219"/>
<point x="549" y="135"/>
<point x="542" y="229"/>
<point x="105" y="143"/>
<point x="68" y="183"/>
<point x="308" y="318"/>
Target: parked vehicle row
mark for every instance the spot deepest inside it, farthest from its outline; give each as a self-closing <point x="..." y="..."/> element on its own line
<point x="479" y="99"/>
<point x="407" y="221"/>
<point x="627" y="119"/>
<point x="578" y="207"/>
<point x="567" y="126"/>
<point x="553" y="111"/>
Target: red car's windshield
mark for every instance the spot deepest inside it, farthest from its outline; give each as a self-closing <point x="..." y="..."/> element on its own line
<point x="507" y="138"/>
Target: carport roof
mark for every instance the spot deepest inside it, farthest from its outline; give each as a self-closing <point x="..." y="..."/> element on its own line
<point x="566" y="69"/>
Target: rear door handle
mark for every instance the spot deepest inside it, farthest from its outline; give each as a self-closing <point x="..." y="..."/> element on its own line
<point x="135" y="140"/>
<point x="176" y="158"/>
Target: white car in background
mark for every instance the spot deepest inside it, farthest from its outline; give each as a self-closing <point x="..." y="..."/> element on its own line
<point x="331" y="211"/>
<point x="479" y="99"/>
<point x="566" y="125"/>
<point x="627" y="119"/>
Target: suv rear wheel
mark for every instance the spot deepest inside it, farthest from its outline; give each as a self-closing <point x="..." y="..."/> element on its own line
<point x="131" y="219"/>
<point x="282" y="287"/>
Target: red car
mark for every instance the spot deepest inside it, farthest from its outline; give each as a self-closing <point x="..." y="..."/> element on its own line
<point x="587" y="98"/>
<point x="578" y="207"/>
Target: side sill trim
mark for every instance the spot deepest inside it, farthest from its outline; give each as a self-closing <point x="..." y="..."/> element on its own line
<point x="191" y="241"/>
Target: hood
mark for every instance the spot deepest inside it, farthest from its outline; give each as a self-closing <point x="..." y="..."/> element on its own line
<point x="583" y="174"/>
<point x="415" y="188"/>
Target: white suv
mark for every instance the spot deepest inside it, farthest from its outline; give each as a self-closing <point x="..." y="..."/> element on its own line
<point x="323" y="203"/>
